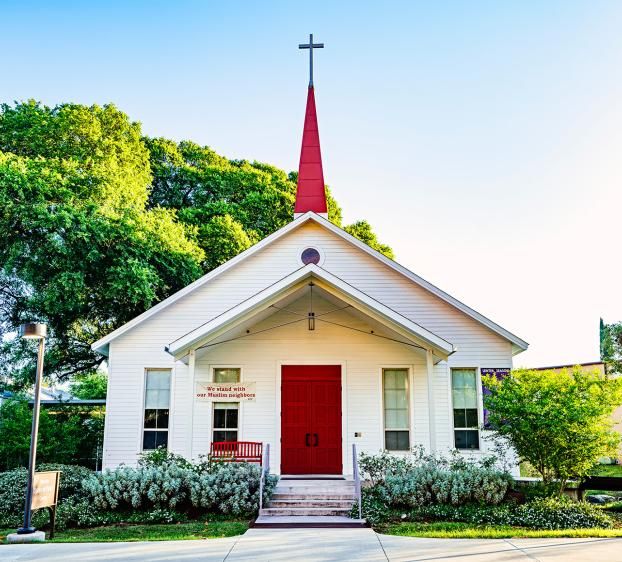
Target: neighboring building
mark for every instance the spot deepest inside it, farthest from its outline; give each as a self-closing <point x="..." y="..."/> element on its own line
<point x="316" y="341"/>
<point x="585" y="367"/>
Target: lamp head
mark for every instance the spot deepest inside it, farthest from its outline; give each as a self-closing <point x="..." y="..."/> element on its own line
<point x="33" y="331"/>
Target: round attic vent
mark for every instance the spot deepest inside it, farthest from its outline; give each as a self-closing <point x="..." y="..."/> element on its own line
<point x="310" y="255"/>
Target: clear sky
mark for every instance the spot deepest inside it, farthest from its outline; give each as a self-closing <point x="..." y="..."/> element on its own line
<point x="482" y="140"/>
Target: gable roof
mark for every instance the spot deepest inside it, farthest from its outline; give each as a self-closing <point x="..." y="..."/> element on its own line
<point x="290" y="283"/>
<point x="102" y="344"/>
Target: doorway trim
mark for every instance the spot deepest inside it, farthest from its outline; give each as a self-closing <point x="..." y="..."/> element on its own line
<point x="345" y="460"/>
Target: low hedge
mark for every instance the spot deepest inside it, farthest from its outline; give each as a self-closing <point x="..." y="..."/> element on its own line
<point x="13" y="489"/>
<point x="542" y="513"/>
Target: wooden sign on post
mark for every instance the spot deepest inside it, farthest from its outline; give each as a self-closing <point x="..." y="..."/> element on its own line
<point x="45" y="494"/>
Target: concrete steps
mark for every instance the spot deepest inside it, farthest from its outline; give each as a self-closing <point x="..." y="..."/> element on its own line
<point x="305" y="511"/>
<point x="304" y="502"/>
<point x="307" y="502"/>
<point x="308" y="522"/>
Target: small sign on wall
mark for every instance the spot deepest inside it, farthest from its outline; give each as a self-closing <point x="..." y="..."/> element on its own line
<point x="499" y="373"/>
<point x="225" y="391"/>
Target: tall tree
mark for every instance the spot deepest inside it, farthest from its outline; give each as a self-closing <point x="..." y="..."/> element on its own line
<point x="100" y="223"/>
<point x="611" y="346"/>
<point x="79" y="251"/>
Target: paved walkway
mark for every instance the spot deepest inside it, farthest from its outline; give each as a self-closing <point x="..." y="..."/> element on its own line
<point x="323" y="545"/>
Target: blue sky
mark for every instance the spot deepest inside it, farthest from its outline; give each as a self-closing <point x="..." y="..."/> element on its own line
<point x="481" y="139"/>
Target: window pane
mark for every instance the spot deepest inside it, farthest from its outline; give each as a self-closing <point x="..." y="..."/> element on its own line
<point x="461" y="439"/>
<point x="473" y="439"/>
<point x="149" y="440"/>
<point x="396" y="399"/>
<point x="220" y="418"/>
<point x="395" y="379"/>
<point x="225" y="405"/>
<point x="396" y="440"/>
<point x="161" y="438"/>
<point x="463" y="378"/>
<point x="162" y="422"/>
<point x="232" y="419"/>
<point x="471" y="418"/>
<point x="467" y="439"/>
<point x="225" y="435"/>
<point x="151" y="398"/>
<point x="470" y="398"/>
<point x="396" y="419"/>
<point x="150" y="418"/>
<point x="158" y="379"/>
<point x="226" y="375"/>
<point x="458" y="398"/>
<point x="459" y="417"/>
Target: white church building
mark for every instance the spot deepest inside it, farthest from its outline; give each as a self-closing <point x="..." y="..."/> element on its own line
<point x="309" y="341"/>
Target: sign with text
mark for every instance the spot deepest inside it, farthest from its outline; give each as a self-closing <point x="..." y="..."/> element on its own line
<point x="499" y="373"/>
<point x="225" y="391"/>
<point x="45" y="489"/>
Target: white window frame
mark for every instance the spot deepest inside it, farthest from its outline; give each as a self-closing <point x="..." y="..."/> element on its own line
<point x="144" y="407"/>
<point x="478" y="408"/>
<point x="409" y="386"/>
<point x="213" y="369"/>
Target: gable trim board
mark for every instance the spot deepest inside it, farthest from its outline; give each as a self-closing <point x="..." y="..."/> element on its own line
<point x="275" y="292"/>
<point x="518" y="344"/>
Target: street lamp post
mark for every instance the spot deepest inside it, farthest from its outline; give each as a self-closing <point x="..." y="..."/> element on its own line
<point x="33" y="331"/>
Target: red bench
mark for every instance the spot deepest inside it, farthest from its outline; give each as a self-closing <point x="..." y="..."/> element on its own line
<point x="236" y="451"/>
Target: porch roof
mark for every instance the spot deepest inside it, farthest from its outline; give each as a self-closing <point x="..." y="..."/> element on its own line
<point x="293" y="282"/>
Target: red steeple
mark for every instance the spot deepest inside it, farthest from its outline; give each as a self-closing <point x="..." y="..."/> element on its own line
<point x="310" y="194"/>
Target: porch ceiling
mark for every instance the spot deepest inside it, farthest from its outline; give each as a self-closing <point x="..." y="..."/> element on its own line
<point x="238" y="321"/>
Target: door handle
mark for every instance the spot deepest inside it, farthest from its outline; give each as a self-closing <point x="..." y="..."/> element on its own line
<point x="317" y="440"/>
<point x="307" y="435"/>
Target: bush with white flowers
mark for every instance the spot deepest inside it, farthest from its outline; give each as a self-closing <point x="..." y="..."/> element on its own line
<point x="172" y="484"/>
<point x="422" y="479"/>
<point x="232" y="488"/>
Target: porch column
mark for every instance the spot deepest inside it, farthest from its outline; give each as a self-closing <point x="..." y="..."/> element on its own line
<point x="191" y="363"/>
<point x="432" y="425"/>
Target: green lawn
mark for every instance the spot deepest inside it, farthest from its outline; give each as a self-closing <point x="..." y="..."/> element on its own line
<point x="442" y="530"/>
<point x="608" y="470"/>
<point x="123" y="533"/>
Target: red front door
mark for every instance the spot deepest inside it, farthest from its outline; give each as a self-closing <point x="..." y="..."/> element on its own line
<point x="311" y="419"/>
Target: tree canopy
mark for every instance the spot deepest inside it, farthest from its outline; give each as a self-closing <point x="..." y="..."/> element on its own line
<point x="611" y="346"/>
<point x="99" y="223"/>
<point x="558" y="421"/>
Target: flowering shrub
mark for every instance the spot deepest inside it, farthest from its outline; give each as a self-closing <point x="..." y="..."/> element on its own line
<point x="422" y="479"/>
<point x="143" y="487"/>
<point x="375" y="468"/>
<point x="232" y="488"/>
<point x="428" y="484"/>
<point x="168" y="484"/>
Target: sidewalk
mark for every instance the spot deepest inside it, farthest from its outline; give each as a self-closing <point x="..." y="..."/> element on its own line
<point x="323" y="545"/>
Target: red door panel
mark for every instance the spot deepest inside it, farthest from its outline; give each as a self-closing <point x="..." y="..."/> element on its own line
<point x="311" y="419"/>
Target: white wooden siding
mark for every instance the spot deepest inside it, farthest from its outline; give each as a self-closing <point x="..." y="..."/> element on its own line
<point x="143" y="347"/>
